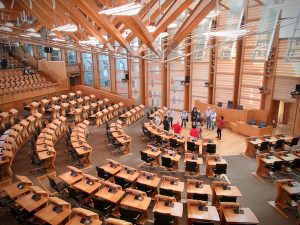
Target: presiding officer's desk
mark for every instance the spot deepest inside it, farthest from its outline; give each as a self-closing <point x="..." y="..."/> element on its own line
<point x="236" y="120"/>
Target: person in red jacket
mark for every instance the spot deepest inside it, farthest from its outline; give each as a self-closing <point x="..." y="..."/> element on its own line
<point x="177" y="128"/>
<point x="220" y="127"/>
<point x="194" y="132"/>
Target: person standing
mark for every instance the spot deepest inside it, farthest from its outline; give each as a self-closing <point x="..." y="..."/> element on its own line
<point x="194" y="115"/>
<point x="156" y="120"/>
<point x="220" y="127"/>
<point x="177" y="128"/>
<point x="199" y="125"/>
<point x="213" y="117"/>
<point x="199" y="119"/>
<point x="207" y="116"/>
<point x="4" y="62"/>
<point x="166" y="124"/>
<point x="170" y="115"/>
<point x="194" y="132"/>
<point x="184" y="118"/>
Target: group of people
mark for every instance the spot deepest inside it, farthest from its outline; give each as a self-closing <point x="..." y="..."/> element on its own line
<point x="196" y="119"/>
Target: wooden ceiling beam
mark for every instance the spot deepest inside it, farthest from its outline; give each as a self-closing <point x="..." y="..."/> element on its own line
<point x="79" y="18"/>
<point x="202" y="9"/>
<point x="90" y="8"/>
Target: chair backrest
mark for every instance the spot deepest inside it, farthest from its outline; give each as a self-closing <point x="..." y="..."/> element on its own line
<point x="100" y="204"/>
<point x="166" y="192"/>
<point x="173" y="142"/>
<point x="294" y="141"/>
<point x="52" y="183"/>
<point x="166" y="162"/>
<point x="129" y="214"/>
<point x="220" y="104"/>
<point x="72" y="192"/>
<point x="162" y="218"/>
<point x="191" y="166"/>
<point x="264" y="145"/>
<point x="279" y="143"/>
<point x="230" y="104"/>
<point x="296" y="163"/>
<point x="120" y="181"/>
<point x="102" y="174"/>
<point x="202" y="197"/>
<point x="144" y="156"/>
<point x="277" y="165"/>
<point x="191" y="146"/>
<point x="227" y="199"/>
<point x="220" y="168"/>
<point x="239" y="107"/>
<point x="211" y="148"/>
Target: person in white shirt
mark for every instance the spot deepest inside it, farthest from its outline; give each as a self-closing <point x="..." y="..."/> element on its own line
<point x="184" y="118"/>
<point x="170" y="115"/>
<point x="213" y="117"/>
<point x="207" y="116"/>
<point x="156" y="120"/>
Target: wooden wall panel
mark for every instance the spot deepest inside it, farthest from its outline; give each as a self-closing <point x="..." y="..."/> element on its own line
<point x="200" y="74"/>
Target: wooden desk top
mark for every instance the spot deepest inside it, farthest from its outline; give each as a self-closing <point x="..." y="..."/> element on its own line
<point x="124" y="139"/>
<point x="128" y="177"/>
<point x="189" y="157"/>
<point x="213" y="162"/>
<point x="69" y="179"/>
<point x="176" y="210"/>
<point x="13" y="191"/>
<point x="247" y="217"/>
<point x="151" y="183"/>
<point x="111" y="170"/>
<point x="166" y="184"/>
<point x="291" y="190"/>
<point x="175" y="158"/>
<point x="109" y="196"/>
<point x="210" y="215"/>
<point x="234" y="191"/>
<point x="29" y="204"/>
<point x="43" y="155"/>
<point x="155" y="153"/>
<point x="289" y="157"/>
<point x="205" y="189"/>
<point x="85" y="187"/>
<point x="131" y="202"/>
<point x="48" y="215"/>
<point x="76" y="220"/>
<point x="113" y="221"/>
<point x="271" y="139"/>
<point x="271" y="160"/>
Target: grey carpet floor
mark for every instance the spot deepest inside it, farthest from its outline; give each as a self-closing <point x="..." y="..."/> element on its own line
<point x="256" y="193"/>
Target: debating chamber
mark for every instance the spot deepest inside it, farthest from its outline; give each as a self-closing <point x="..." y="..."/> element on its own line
<point x="150" y="112"/>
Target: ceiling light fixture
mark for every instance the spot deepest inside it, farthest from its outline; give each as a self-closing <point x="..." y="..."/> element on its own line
<point x="172" y="25"/>
<point x="151" y="28"/>
<point x="2" y="6"/>
<point x="67" y="28"/>
<point x="52" y="34"/>
<point x="130" y="9"/>
<point x="213" y="14"/>
<point x="7" y="29"/>
<point x="8" y="25"/>
<point x="163" y="34"/>
<point x="227" y="33"/>
<point x="91" y="41"/>
<point x="36" y="35"/>
<point x="31" y="30"/>
<point x="58" y="39"/>
<point x="203" y="21"/>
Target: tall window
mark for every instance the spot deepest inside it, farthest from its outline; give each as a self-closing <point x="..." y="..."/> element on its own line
<point x="28" y="49"/>
<point x="121" y="71"/>
<point x="154" y="83"/>
<point x="42" y="53"/>
<point x="176" y="88"/>
<point x="56" y="54"/>
<point x="104" y="71"/>
<point x="87" y="63"/>
<point x="135" y="79"/>
<point x="71" y="57"/>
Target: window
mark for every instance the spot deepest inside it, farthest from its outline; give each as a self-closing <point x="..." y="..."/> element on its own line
<point x="71" y="57"/>
<point x="87" y="68"/>
<point x="135" y="79"/>
<point x="121" y="70"/>
<point x="42" y="53"/>
<point x="28" y="49"/>
<point x="154" y="83"/>
<point x="56" y="54"/>
<point x="104" y="71"/>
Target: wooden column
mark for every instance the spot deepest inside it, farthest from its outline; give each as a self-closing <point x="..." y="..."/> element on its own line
<point x="143" y="83"/>
<point x="237" y="75"/>
<point x="63" y="53"/>
<point x="188" y="75"/>
<point x="129" y="81"/>
<point x="296" y="128"/>
<point x="165" y="85"/>
<point x="96" y="77"/>
<point x="113" y="80"/>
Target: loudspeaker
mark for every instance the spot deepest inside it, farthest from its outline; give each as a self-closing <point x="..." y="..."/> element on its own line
<point x="187" y="79"/>
<point x="48" y="49"/>
<point x="126" y="76"/>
